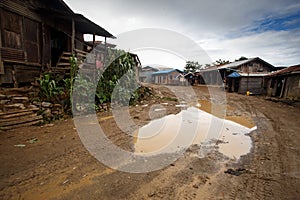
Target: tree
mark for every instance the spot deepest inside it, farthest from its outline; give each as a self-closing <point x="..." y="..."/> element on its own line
<point x="242" y="58"/>
<point x="222" y="62"/>
<point x="192" y="67"/>
<point x="207" y="66"/>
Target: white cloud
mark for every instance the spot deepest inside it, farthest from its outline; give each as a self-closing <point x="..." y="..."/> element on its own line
<point x="221" y="27"/>
<point x="278" y="48"/>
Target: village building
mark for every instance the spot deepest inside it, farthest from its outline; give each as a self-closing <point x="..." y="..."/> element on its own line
<point x="240" y="76"/>
<point x="40" y="35"/>
<point x="145" y="73"/>
<point x="284" y="83"/>
<point x="167" y="77"/>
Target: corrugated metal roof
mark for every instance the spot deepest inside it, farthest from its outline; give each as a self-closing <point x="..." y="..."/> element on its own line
<point x="236" y="64"/>
<point x="288" y="70"/>
<point x="234" y="75"/>
<point x="211" y="68"/>
<point x="237" y="75"/>
<point x="166" y="71"/>
<point x="253" y="75"/>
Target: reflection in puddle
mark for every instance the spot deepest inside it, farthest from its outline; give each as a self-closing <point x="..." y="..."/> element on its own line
<point x="173" y="133"/>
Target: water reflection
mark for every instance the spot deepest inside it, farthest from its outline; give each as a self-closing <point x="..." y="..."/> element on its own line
<point x="173" y="133"/>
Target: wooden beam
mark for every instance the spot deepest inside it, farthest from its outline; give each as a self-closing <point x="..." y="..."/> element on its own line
<point x="94" y="40"/>
<point x="73" y="36"/>
<point x="15" y="81"/>
<point x="43" y="46"/>
<point x="1" y="61"/>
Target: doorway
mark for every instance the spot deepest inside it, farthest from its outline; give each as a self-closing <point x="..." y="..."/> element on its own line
<point x="59" y="44"/>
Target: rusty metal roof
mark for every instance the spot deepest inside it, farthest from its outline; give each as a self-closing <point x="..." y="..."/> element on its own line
<point x="82" y="24"/>
<point x="288" y="70"/>
<point x="58" y="10"/>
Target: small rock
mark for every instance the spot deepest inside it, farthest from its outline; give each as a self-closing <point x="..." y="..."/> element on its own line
<point x="151" y="194"/>
<point x="20" y="99"/>
<point x="56" y="112"/>
<point x="46" y="104"/>
<point x="36" y="103"/>
<point x="235" y="172"/>
<point x="4" y="101"/>
<point x="33" y="107"/>
<point x="195" y="186"/>
<point x="16" y="105"/>
<point x="57" y="105"/>
<point x="2" y="96"/>
<point x="47" y="113"/>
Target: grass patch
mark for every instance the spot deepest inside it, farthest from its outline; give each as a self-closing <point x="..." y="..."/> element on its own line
<point x="170" y="99"/>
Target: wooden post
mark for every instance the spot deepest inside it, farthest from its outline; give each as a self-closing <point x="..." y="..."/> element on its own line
<point x="15" y="81"/>
<point x="73" y="36"/>
<point x="1" y="62"/>
<point x="105" y="52"/>
<point x="94" y="40"/>
<point x="43" y="46"/>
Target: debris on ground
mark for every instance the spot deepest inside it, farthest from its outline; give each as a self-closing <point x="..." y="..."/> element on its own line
<point x="236" y="172"/>
<point x="20" y="145"/>
<point x="32" y="141"/>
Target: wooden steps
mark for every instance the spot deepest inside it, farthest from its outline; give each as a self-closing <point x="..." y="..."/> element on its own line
<point x="17" y="112"/>
<point x="19" y="118"/>
<point x="63" y="64"/>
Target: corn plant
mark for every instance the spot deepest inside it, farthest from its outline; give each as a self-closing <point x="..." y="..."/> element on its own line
<point x="49" y="89"/>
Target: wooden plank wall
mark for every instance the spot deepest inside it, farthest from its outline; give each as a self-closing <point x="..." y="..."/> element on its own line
<point x="255" y="85"/>
<point x="292" y="87"/>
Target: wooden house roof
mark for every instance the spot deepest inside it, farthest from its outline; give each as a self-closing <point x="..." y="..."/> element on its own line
<point x="57" y="10"/>
<point x="166" y="71"/>
<point x="289" y="70"/>
<point x="236" y="64"/>
<point x="82" y="24"/>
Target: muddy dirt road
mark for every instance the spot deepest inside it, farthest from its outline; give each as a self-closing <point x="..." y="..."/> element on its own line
<point x="55" y="165"/>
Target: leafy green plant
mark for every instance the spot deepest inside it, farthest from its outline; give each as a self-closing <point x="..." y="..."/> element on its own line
<point x="49" y="89"/>
<point x="120" y="64"/>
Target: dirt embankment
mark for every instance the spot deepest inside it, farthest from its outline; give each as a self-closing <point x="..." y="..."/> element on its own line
<point x="57" y="166"/>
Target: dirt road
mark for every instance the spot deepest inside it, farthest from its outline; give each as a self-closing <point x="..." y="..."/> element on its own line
<point x="54" y="164"/>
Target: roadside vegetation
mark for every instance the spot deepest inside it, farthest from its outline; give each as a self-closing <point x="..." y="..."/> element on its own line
<point x="118" y="78"/>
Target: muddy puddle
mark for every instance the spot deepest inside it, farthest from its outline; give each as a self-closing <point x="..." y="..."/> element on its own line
<point x="174" y="133"/>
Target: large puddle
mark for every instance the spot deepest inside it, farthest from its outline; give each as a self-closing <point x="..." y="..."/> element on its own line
<point x="173" y="133"/>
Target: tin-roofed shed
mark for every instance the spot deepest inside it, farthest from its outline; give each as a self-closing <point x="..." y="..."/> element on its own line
<point x="166" y="77"/>
<point x="285" y="83"/>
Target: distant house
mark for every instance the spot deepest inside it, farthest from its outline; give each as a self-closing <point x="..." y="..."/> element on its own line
<point x="145" y="73"/>
<point x="239" y="76"/>
<point x="190" y="78"/>
<point x="284" y="83"/>
<point x="209" y="76"/>
<point x="166" y="77"/>
<point x="37" y="35"/>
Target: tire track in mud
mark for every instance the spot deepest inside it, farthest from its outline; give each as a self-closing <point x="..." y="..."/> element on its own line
<point x="267" y="159"/>
<point x="260" y="184"/>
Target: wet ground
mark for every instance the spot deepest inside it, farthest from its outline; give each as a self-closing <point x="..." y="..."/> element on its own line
<point x="50" y="162"/>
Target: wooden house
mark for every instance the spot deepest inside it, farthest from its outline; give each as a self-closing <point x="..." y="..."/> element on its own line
<point x="145" y="74"/>
<point x="239" y="76"/>
<point x="284" y="83"/>
<point x="166" y="77"/>
<point x="37" y="35"/>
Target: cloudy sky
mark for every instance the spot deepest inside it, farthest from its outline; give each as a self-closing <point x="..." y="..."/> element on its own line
<point x="227" y="29"/>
